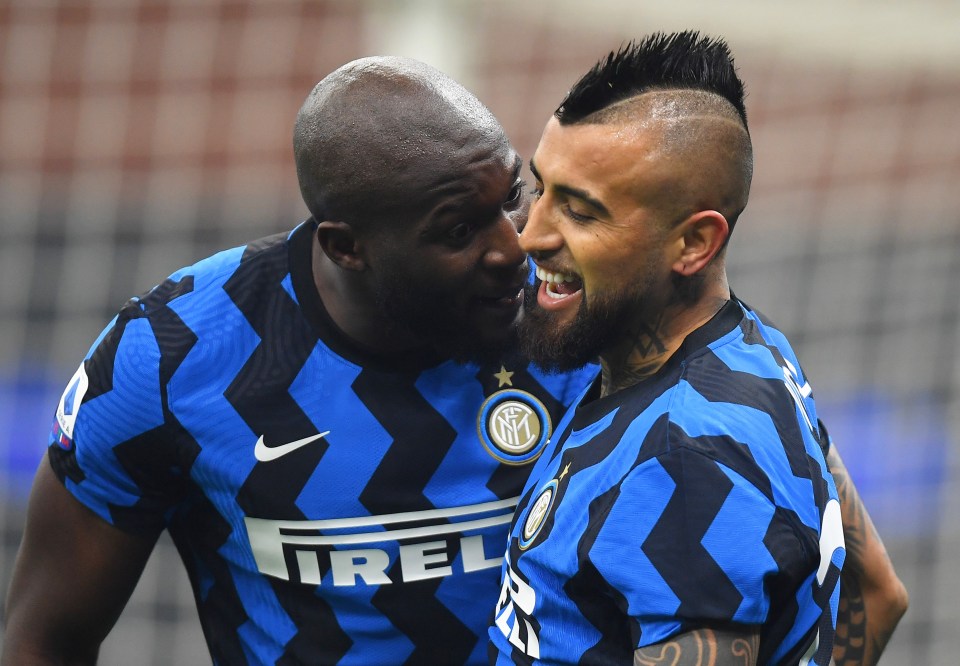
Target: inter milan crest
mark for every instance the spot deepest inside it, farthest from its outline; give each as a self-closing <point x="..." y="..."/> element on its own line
<point x="514" y="426"/>
<point x="539" y="509"/>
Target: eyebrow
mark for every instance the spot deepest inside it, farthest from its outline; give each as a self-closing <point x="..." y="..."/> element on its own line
<point x="574" y="192"/>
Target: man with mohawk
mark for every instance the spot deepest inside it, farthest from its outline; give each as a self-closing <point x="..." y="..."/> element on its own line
<point x="684" y="513"/>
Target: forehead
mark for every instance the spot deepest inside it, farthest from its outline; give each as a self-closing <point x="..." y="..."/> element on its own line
<point x="605" y="159"/>
<point x="471" y="174"/>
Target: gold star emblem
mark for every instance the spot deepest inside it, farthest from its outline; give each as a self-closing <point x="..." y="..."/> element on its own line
<point x="564" y="472"/>
<point x="503" y="377"/>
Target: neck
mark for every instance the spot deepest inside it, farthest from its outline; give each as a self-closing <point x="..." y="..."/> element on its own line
<point x="650" y="341"/>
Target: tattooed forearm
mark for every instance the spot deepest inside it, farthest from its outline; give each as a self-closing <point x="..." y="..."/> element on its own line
<point x="872" y="598"/>
<point x="849" y="644"/>
<point x="702" y="647"/>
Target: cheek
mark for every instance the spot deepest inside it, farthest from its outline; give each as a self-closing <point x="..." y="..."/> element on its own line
<point x="594" y="254"/>
<point x="619" y="265"/>
<point x="441" y="278"/>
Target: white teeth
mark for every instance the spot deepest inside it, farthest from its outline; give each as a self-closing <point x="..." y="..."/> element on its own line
<point x="553" y="278"/>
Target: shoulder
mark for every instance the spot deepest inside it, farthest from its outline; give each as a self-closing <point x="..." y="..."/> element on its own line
<point x="211" y="275"/>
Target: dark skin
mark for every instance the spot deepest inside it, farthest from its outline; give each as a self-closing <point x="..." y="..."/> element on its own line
<point x="417" y="204"/>
<point x="475" y="258"/>
<point x="453" y="236"/>
<point x="73" y="575"/>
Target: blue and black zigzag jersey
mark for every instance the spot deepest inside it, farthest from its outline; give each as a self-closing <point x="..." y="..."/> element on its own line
<point x="698" y="497"/>
<point x="331" y="507"/>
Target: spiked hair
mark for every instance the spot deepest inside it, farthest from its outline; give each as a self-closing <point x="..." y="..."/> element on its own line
<point x="677" y="61"/>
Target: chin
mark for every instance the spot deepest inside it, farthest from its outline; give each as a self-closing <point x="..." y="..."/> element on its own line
<point x="557" y="344"/>
<point x="482" y="352"/>
<point x="481" y="344"/>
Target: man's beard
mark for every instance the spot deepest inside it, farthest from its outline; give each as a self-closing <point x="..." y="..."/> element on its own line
<point x="432" y="315"/>
<point x="596" y="327"/>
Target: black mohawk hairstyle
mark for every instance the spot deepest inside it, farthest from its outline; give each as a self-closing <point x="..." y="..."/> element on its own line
<point x="682" y="60"/>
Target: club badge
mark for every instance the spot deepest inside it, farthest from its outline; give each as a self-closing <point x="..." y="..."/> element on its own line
<point x="513" y="426"/>
<point x="539" y="510"/>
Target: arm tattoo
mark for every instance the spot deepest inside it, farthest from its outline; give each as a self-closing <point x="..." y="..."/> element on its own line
<point x="849" y="643"/>
<point x="856" y="642"/>
<point x="702" y="647"/>
<point x="857" y="529"/>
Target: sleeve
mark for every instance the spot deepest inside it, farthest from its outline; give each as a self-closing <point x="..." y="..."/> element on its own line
<point x="108" y="437"/>
<point x="687" y="542"/>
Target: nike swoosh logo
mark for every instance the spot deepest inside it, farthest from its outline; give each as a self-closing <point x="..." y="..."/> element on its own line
<point x="265" y="453"/>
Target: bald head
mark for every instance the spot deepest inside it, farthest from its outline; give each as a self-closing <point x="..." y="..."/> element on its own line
<point x="371" y="135"/>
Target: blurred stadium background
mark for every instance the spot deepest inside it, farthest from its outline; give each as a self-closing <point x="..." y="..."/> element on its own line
<point x="137" y="136"/>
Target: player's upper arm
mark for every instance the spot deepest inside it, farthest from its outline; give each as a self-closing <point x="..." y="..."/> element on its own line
<point x="73" y="574"/>
<point x="703" y="647"/>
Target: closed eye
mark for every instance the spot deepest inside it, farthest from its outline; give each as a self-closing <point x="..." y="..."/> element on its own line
<point x="574" y="215"/>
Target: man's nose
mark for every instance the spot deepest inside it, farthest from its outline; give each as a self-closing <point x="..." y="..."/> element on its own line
<point x="539" y="235"/>
<point x="504" y="248"/>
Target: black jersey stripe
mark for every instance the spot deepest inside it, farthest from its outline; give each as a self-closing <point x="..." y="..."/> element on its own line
<point x="260" y="394"/>
<point x="411" y="421"/>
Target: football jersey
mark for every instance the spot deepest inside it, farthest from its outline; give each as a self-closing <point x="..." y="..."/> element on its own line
<point x="698" y="497"/>
<point x="331" y="506"/>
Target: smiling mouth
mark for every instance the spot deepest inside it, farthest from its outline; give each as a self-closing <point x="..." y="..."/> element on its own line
<point x="559" y="285"/>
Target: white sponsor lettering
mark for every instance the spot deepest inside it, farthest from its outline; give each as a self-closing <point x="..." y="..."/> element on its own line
<point x="370" y="564"/>
<point x="415" y="561"/>
<point x="280" y="545"/>
<point x="474" y="556"/>
<point x="514" y="613"/>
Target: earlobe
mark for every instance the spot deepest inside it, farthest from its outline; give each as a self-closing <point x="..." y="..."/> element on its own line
<point x="703" y="235"/>
<point x="338" y="241"/>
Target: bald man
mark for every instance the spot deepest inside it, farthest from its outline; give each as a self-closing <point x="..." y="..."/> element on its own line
<point x="684" y="512"/>
<point x="329" y="422"/>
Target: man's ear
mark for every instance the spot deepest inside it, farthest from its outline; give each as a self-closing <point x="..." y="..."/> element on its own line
<point x="338" y="241"/>
<point x="702" y="236"/>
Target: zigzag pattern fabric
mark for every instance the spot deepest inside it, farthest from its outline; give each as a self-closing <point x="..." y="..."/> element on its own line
<point x="330" y="506"/>
<point x="697" y="497"/>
